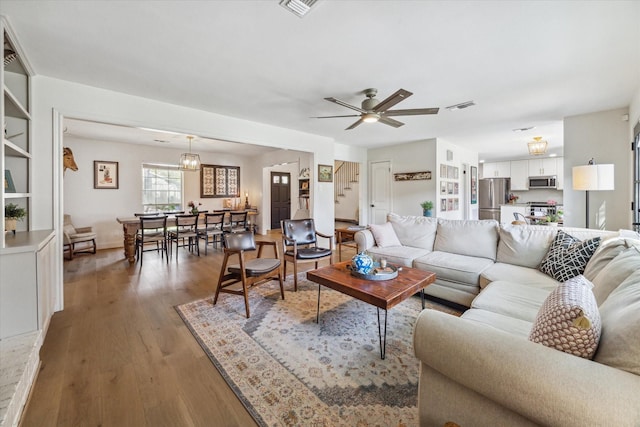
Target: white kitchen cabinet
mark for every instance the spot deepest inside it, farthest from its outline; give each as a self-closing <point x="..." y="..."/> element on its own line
<point x="519" y="175"/>
<point x="543" y="167"/>
<point x="560" y="172"/>
<point x="496" y="170"/>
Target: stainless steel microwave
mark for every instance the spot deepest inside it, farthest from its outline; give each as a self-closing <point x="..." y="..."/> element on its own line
<point x="543" y="182"/>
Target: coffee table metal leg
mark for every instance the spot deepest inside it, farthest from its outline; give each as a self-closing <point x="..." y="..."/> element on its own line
<point x="318" y="311"/>
<point x="383" y="338"/>
<point x="422" y="297"/>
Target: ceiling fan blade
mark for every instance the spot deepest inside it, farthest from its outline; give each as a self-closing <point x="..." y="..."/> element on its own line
<point x="400" y="95"/>
<point x="333" y="117"/>
<point x="355" y="124"/>
<point x="390" y="122"/>
<point x="412" y="112"/>
<point x="344" y="104"/>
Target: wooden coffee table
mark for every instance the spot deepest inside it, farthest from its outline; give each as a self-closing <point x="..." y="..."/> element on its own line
<point x="383" y="294"/>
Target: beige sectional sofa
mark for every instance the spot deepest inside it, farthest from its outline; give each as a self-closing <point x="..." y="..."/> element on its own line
<point x="481" y="368"/>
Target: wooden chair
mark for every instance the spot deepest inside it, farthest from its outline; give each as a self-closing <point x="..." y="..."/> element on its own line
<point x="237" y="222"/>
<point x="153" y="229"/>
<point x="73" y="236"/>
<point x="248" y="272"/>
<point x="299" y="237"/>
<point x="186" y="229"/>
<point x="213" y="223"/>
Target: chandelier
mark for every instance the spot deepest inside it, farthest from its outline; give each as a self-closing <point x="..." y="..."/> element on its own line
<point x="537" y="147"/>
<point x="189" y="161"/>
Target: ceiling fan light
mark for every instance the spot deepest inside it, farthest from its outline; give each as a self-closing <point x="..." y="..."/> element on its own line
<point x="537" y="147"/>
<point x="370" y="117"/>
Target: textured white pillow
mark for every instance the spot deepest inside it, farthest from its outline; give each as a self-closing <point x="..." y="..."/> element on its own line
<point x="569" y="319"/>
<point x="385" y="235"/>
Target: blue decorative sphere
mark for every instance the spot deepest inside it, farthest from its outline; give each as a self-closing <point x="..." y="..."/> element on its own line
<point x="362" y="263"/>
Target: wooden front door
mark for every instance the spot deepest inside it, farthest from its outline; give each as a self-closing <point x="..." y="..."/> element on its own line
<point x="280" y="198"/>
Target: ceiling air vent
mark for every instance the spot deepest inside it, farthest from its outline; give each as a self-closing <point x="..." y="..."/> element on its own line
<point x="461" y="106"/>
<point x="298" y="7"/>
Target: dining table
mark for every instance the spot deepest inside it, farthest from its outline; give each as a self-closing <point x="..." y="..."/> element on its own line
<point x="131" y="225"/>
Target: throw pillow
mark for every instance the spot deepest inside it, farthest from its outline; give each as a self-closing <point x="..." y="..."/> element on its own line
<point x="569" y="319"/>
<point x="567" y="256"/>
<point x="385" y="235"/>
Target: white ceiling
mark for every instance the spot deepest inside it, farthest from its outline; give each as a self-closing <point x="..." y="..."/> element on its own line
<point x="527" y="63"/>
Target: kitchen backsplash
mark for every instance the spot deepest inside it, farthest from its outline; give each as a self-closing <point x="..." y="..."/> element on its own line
<point x="539" y="195"/>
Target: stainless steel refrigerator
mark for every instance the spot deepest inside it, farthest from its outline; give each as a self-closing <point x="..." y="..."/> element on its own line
<point x="492" y="192"/>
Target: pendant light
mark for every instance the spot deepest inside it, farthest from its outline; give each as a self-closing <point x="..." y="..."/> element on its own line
<point x="537" y="147"/>
<point x="189" y="161"/>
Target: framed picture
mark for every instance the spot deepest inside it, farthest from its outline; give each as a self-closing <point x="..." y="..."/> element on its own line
<point x="449" y="187"/>
<point x="105" y="175"/>
<point x="443" y="187"/>
<point x="219" y="181"/>
<point x="325" y="173"/>
<point x="474" y="185"/>
<point x="456" y="173"/>
<point x="9" y="186"/>
<point x="412" y="176"/>
<point x="450" y="172"/>
<point x="443" y="205"/>
<point x="456" y="188"/>
<point x="443" y="171"/>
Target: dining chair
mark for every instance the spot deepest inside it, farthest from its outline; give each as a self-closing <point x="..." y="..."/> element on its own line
<point x="299" y="237"/>
<point x="213" y="223"/>
<point x="237" y="222"/>
<point x="248" y="272"/>
<point x="185" y="230"/>
<point x="153" y="229"/>
<point x="146" y="214"/>
<point x="520" y="219"/>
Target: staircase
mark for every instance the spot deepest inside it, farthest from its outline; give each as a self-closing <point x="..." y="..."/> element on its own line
<point x="346" y="174"/>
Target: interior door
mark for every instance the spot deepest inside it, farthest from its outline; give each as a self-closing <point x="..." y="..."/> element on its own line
<point x="280" y="198"/>
<point x="380" y="192"/>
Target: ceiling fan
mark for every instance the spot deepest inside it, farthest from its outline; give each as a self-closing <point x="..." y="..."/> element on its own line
<point x="374" y="110"/>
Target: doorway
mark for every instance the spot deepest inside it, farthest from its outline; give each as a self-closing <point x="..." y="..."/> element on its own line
<point x="280" y="198"/>
<point x="380" y="190"/>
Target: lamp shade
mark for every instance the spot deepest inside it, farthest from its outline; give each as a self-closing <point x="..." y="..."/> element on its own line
<point x="593" y="177"/>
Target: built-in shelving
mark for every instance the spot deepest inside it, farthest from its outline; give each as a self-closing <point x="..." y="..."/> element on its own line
<point x="16" y="123"/>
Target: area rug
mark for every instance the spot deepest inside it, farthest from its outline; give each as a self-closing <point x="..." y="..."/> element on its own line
<point x="289" y="370"/>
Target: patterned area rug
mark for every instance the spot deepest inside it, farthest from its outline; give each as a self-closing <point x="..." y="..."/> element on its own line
<point x="288" y="370"/>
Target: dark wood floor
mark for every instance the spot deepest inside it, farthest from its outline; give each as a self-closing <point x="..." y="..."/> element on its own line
<point x="119" y="355"/>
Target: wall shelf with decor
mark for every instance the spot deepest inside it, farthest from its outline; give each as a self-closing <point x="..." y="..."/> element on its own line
<point x="303" y="193"/>
<point x="15" y="115"/>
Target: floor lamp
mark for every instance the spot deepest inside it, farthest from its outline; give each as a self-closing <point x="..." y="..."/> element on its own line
<point x="592" y="177"/>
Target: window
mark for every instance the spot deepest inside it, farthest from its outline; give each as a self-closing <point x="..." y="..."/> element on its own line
<point x="636" y="178"/>
<point x="161" y="188"/>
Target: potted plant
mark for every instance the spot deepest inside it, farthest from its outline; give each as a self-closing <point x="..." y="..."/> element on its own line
<point x="554" y="218"/>
<point x="12" y="214"/>
<point x="426" y="207"/>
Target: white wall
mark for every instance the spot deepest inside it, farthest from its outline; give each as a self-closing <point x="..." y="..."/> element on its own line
<point x="411" y="157"/>
<point x="604" y="136"/>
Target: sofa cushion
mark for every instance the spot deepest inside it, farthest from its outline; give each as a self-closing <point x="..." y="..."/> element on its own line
<point x="569" y="319"/>
<point x="476" y="238"/>
<point x="525" y="246"/>
<point x="385" y="235"/>
<point x="568" y="256"/>
<point x="401" y="255"/>
<point x="517" y="274"/>
<point x="415" y="231"/>
<point x="621" y="327"/>
<point x="499" y="321"/>
<point x="606" y="252"/>
<point x="512" y="299"/>
<point x="615" y="272"/>
<point x="453" y="267"/>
